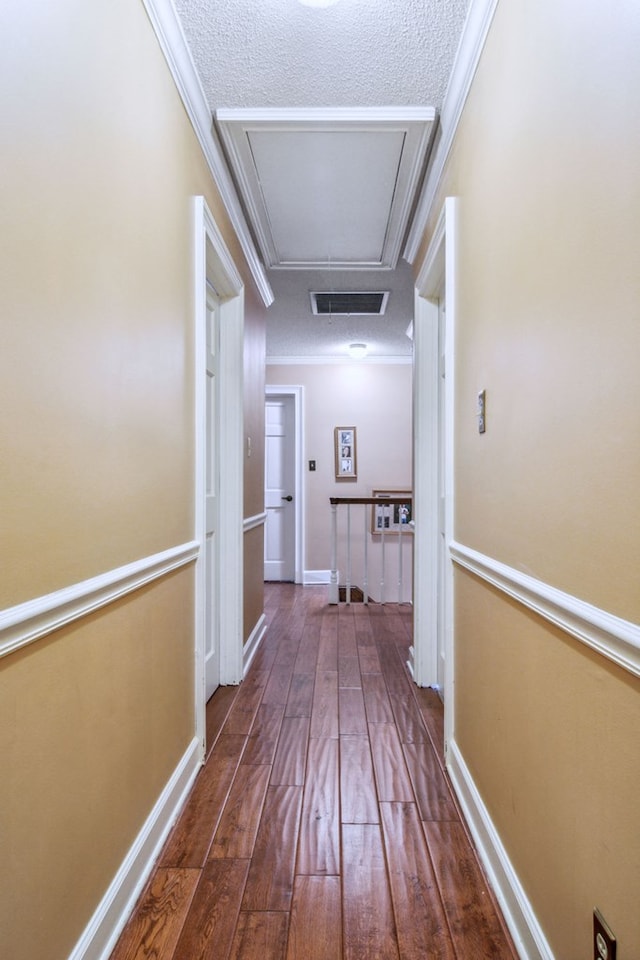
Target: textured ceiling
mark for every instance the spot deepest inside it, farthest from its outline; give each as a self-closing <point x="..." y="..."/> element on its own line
<point x="371" y="53"/>
<point x="268" y="53"/>
<point x="293" y="331"/>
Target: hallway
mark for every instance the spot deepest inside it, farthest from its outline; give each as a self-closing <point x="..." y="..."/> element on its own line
<point x="322" y="825"/>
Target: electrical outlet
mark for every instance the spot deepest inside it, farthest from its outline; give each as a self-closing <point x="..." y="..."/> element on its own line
<point x="604" y="942"/>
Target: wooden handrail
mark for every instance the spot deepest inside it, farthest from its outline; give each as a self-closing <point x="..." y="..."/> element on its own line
<point x="336" y="501"/>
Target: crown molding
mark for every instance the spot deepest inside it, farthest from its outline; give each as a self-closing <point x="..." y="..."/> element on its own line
<point x="472" y="41"/>
<point x="340" y="361"/>
<point x="173" y="44"/>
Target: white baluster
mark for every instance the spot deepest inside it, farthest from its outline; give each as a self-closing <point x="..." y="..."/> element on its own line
<point x="382" y="543"/>
<point x="348" y="583"/>
<point x="365" y="580"/>
<point x="333" y="585"/>
<point x="399" y="562"/>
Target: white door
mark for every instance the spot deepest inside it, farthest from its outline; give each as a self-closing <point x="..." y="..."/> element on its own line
<point x="279" y="471"/>
<point x="211" y="644"/>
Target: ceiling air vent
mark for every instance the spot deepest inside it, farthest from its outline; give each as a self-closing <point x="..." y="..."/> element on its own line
<point x="341" y="304"/>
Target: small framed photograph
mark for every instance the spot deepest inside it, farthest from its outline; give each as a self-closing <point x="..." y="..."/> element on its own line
<point x="345" y="453"/>
<point x="392" y="517"/>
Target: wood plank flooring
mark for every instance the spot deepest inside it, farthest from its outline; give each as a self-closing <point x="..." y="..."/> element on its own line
<point x="322" y="826"/>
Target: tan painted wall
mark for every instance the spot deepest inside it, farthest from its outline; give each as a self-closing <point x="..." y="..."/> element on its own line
<point x="546" y="168"/>
<point x="99" y="167"/>
<point x="93" y="721"/>
<point x="376" y="399"/>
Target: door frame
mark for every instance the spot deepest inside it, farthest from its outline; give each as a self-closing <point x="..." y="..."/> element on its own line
<point x="213" y="264"/>
<point x="436" y="276"/>
<point x="297" y="393"/>
<point x="211" y="439"/>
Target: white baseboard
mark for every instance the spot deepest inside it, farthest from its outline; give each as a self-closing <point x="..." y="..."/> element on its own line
<point x="529" y="940"/>
<point x="104" y="928"/>
<point x="315" y="577"/>
<point x="252" y="644"/>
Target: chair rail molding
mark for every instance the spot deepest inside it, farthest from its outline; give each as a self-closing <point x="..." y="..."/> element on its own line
<point x="250" y="523"/>
<point x="27" y="622"/>
<point x="611" y="636"/>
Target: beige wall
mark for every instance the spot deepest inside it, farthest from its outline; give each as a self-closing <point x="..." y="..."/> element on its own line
<point x="93" y="721"/>
<point x="99" y="167"/>
<point x="376" y="399"/>
<point x="545" y="166"/>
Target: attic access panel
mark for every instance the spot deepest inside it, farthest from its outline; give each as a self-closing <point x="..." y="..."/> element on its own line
<point x="328" y="188"/>
<point x="346" y="304"/>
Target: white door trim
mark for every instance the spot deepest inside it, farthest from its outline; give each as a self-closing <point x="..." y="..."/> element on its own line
<point x="213" y="263"/>
<point x="437" y="275"/>
<point x="297" y="392"/>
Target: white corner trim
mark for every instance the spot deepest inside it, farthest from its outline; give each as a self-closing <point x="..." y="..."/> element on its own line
<point x="611" y="636"/>
<point x="518" y="913"/>
<point x="431" y="276"/>
<point x="316" y="577"/>
<point x="472" y="41"/>
<point x="104" y="928"/>
<point x="252" y="644"/>
<point x="173" y="44"/>
<point x="257" y="521"/>
<point x="36" y="618"/>
<point x="227" y="279"/>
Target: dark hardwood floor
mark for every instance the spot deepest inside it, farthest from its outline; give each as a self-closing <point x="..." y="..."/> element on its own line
<point x="322" y="825"/>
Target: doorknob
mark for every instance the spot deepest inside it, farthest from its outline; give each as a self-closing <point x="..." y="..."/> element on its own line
<point x="288" y="499"/>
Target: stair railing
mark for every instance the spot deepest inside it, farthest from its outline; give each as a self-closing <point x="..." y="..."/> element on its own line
<point x="383" y="538"/>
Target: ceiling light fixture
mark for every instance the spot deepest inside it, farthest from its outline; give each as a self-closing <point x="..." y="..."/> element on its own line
<point x="357" y="351"/>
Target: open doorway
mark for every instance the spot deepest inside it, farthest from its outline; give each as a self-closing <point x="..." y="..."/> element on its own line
<point x="218" y="404"/>
<point x="284" y="486"/>
<point x="435" y="303"/>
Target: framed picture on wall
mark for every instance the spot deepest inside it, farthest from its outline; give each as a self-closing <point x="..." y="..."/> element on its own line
<point x="345" y="453"/>
<point x="392" y="517"/>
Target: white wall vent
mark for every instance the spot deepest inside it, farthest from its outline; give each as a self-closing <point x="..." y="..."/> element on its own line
<point x="340" y="303"/>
